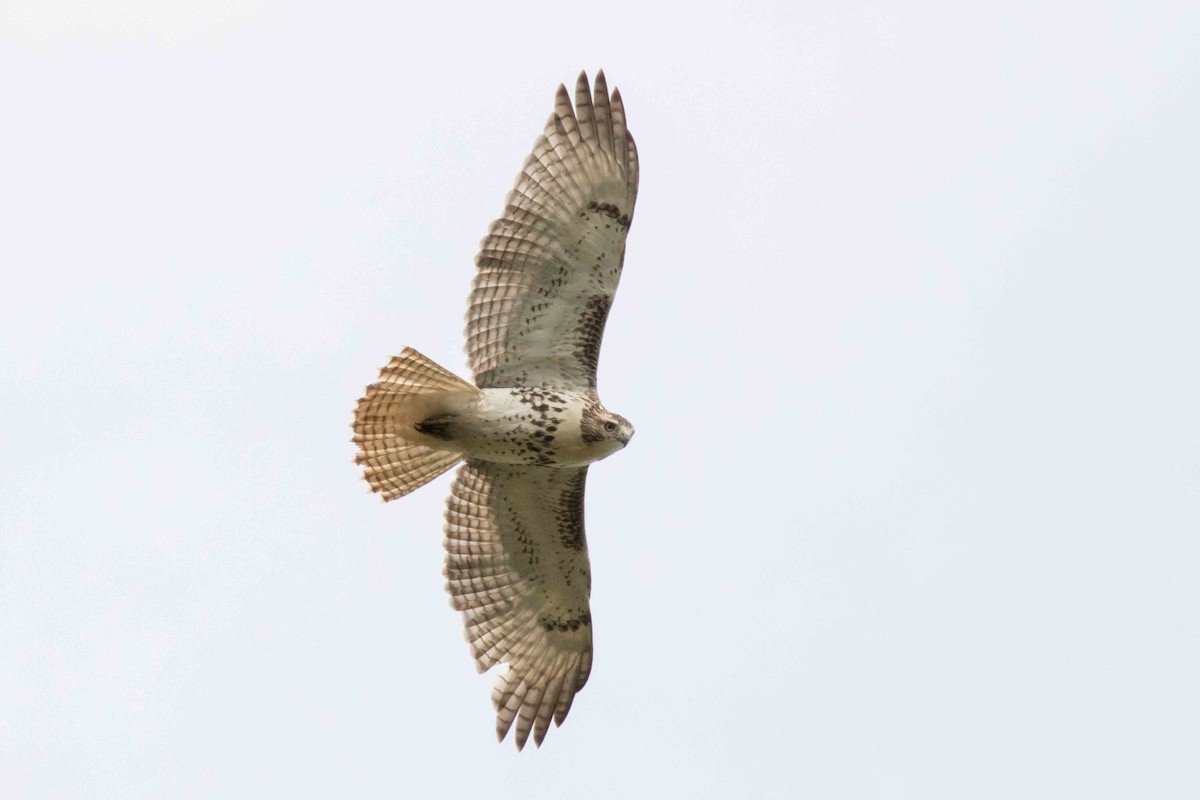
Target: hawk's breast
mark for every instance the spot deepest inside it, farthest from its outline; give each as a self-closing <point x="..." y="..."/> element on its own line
<point x="526" y="425"/>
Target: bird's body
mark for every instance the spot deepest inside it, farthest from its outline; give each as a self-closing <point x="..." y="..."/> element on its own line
<point x="533" y="425"/>
<point x="516" y="554"/>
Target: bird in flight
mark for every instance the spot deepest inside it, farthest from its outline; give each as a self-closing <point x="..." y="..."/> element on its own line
<point x="526" y="431"/>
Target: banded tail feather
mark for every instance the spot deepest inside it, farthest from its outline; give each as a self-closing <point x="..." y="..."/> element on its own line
<point x="397" y="456"/>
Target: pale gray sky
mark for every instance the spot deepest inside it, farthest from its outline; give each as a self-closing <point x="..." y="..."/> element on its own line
<point x="908" y="329"/>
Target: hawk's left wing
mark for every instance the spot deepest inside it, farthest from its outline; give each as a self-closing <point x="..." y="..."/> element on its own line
<point x="517" y="567"/>
<point x="549" y="267"/>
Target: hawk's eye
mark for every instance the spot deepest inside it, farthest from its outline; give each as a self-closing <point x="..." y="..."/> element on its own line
<point x="610" y="426"/>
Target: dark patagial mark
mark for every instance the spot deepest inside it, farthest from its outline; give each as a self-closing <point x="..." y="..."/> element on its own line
<point x="570" y="513"/>
<point x="590" y="331"/>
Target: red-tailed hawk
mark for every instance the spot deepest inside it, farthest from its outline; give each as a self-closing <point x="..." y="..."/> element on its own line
<point x="516" y="556"/>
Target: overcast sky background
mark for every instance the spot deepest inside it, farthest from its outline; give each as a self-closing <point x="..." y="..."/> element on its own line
<point x="908" y="329"/>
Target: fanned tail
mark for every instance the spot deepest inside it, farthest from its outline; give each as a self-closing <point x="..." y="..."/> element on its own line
<point x="396" y="457"/>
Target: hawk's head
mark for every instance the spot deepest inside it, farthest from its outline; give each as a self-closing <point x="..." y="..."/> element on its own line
<point x="604" y="432"/>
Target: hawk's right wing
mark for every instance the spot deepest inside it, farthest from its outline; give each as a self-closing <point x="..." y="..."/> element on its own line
<point x="517" y="567"/>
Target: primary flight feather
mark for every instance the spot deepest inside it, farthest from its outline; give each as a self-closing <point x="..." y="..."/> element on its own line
<point x="516" y="555"/>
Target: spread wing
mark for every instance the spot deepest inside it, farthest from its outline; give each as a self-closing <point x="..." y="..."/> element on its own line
<point x="517" y="567"/>
<point x="548" y="268"/>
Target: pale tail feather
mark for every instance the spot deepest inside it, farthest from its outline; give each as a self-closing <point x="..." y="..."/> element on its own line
<point x="411" y="388"/>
